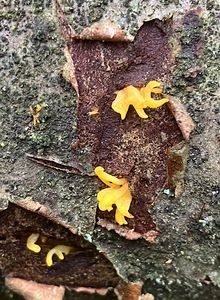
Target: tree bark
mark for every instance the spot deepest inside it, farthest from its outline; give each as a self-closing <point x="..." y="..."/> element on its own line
<point x="183" y="261"/>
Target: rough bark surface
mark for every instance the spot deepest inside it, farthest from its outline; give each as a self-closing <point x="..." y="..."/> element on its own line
<point x="184" y="262"/>
<point x="136" y="148"/>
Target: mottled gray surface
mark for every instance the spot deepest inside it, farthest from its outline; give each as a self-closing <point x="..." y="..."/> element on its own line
<point x="128" y="14"/>
<point x="31" y="72"/>
<point x="31" y="60"/>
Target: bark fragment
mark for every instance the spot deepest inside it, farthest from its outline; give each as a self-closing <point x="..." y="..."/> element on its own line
<point x="136" y="149"/>
<point x="32" y="290"/>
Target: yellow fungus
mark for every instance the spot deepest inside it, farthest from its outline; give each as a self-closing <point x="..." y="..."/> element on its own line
<point x="120" y="218"/>
<point x="152" y="87"/>
<point x="118" y="193"/>
<point x="35" y="113"/>
<point x="58" y="250"/>
<point x="93" y="112"/>
<point x="31" y="243"/>
<point x="140" y="98"/>
<point x="157" y="90"/>
<point x="129" y="96"/>
<point x="108" y="179"/>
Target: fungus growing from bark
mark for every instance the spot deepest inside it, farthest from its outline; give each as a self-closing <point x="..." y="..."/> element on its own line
<point x="118" y="193"/>
<point x="35" y="113"/>
<point x="32" y="239"/>
<point x="140" y="98"/>
<point x="137" y="149"/>
<point x="15" y="225"/>
<point x="58" y="250"/>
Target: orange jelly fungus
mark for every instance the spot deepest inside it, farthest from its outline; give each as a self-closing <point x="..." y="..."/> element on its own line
<point x="140" y="98"/>
<point x="58" y="250"/>
<point x="117" y="193"/>
<point x="35" y="113"/>
<point x="31" y="243"/>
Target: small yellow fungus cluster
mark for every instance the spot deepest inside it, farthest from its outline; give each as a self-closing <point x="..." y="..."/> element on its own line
<point x="58" y="250"/>
<point x="118" y="193"/>
<point x="140" y="98"/>
<point x="35" y="113"/>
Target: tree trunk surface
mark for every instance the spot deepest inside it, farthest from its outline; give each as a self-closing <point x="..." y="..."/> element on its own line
<point x="47" y="185"/>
